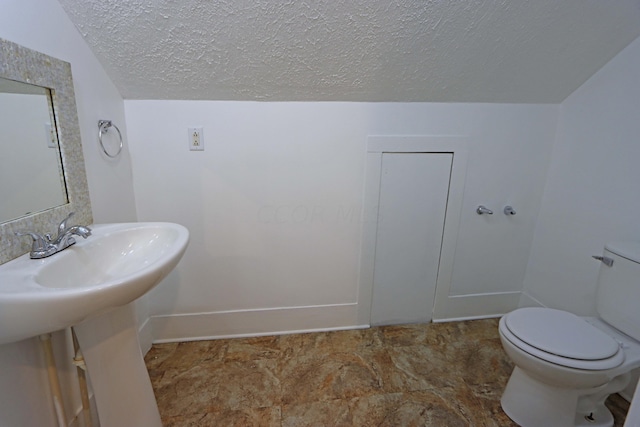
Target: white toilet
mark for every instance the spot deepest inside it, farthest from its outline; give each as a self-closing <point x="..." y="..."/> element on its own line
<point x="566" y="366"/>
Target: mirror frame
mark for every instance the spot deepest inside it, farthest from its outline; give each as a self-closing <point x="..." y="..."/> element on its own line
<point x="28" y="66"/>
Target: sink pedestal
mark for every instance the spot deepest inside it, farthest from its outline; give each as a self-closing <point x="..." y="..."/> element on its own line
<point x="117" y="372"/>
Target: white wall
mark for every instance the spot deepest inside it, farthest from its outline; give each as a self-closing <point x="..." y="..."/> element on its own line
<point x="42" y="25"/>
<point x="273" y="204"/>
<point x="591" y="195"/>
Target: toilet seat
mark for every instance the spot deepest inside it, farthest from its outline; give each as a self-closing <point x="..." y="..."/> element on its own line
<point x="562" y="338"/>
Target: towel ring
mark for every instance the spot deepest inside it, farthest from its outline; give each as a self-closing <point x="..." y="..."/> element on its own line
<point x="103" y="126"/>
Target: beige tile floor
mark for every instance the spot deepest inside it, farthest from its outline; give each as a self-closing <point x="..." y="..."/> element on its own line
<point x="448" y="374"/>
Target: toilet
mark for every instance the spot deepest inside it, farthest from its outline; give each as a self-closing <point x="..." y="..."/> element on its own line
<point x="566" y="365"/>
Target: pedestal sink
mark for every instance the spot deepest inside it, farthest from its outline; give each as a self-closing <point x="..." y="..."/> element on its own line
<point x="90" y="286"/>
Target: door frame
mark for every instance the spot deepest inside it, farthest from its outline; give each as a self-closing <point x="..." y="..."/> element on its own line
<point x="377" y="145"/>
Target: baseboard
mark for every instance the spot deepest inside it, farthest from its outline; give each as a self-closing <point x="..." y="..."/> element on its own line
<point x="476" y="306"/>
<point x="285" y="320"/>
<point x="257" y="322"/>
<point x="145" y="335"/>
<point x="465" y="318"/>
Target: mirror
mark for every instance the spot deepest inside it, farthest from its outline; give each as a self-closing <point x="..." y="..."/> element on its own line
<point x="29" y="75"/>
<point x="31" y="178"/>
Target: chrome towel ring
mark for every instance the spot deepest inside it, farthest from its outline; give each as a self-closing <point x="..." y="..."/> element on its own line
<point x="103" y="128"/>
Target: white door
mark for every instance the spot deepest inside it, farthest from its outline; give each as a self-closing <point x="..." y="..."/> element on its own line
<point x="413" y="199"/>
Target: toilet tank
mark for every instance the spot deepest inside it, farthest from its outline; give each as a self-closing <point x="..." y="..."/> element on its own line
<point x="618" y="297"/>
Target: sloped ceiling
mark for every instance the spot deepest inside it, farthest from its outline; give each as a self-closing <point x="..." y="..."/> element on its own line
<point x="513" y="51"/>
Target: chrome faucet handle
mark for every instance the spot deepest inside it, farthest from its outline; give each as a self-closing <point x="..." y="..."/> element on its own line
<point x="483" y="210"/>
<point x="39" y="242"/>
<point x="62" y="228"/>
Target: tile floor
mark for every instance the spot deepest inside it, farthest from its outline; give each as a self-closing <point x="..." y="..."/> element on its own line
<point x="447" y="374"/>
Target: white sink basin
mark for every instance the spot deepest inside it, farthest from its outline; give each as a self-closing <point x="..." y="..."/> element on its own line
<point x="117" y="264"/>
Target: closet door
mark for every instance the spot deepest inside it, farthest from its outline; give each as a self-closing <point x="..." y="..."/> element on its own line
<point x="413" y="198"/>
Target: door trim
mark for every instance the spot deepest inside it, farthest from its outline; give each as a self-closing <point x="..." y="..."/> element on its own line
<point x="457" y="145"/>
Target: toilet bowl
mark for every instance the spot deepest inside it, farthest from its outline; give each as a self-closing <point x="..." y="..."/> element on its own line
<point x="566" y="366"/>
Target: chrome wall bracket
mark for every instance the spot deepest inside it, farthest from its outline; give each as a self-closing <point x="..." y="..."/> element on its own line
<point x="483" y="210"/>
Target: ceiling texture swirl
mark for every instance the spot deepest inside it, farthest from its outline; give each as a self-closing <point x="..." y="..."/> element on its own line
<point x="507" y="51"/>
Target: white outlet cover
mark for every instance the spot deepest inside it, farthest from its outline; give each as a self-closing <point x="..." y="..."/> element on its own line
<point x="196" y="138"/>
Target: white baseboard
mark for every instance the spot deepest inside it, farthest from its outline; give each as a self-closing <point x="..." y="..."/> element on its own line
<point x="145" y="335"/>
<point x="476" y="306"/>
<point x="286" y="320"/>
<point x="257" y="322"/>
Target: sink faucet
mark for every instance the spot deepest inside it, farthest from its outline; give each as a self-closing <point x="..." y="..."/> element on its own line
<point x="44" y="246"/>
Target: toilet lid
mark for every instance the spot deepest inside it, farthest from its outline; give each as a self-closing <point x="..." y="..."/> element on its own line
<point x="561" y="333"/>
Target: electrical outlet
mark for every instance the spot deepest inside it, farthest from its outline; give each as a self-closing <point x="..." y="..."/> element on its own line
<point x="196" y="139"/>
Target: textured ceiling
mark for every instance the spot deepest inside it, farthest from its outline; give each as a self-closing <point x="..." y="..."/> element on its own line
<point x="520" y="51"/>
